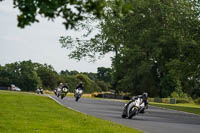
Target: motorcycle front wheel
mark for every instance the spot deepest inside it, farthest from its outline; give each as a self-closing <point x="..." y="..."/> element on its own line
<point x="77" y="99"/>
<point x="132" y="112"/>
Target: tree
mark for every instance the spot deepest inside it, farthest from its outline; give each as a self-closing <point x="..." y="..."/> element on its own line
<point x="22" y="74"/>
<point x="104" y="74"/>
<point x="28" y="78"/>
<point x="71" y="11"/>
<point x="48" y="76"/>
<point x="92" y="76"/>
<point x="156" y="46"/>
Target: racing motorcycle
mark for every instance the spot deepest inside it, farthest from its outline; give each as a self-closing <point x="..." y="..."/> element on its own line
<point x="135" y="106"/>
<point x="39" y="91"/>
<point x="64" y="92"/>
<point x="77" y="94"/>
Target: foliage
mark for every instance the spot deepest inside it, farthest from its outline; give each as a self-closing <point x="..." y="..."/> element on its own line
<point x="103" y="85"/>
<point x="197" y="101"/>
<point x="92" y="76"/>
<point x="72" y="11"/>
<point x="29" y="76"/>
<point x="48" y="75"/>
<point x="181" y="100"/>
<point x="156" y="47"/>
<point x="73" y="81"/>
<point x="21" y="74"/>
<point x="89" y="85"/>
<point x="104" y="74"/>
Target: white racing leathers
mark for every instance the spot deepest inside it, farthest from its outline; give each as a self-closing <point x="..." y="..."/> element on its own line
<point x="135" y="106"/>
<point x="58" y="92"/>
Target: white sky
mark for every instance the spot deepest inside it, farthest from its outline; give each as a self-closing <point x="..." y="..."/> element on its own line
<point x="38" y="42"/>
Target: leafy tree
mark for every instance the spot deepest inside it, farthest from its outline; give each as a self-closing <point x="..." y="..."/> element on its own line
<point x="48" y="76"/>
<point x="28" y="78"/>
<point x="73" y="81"/>
<point x="104" y="74"/>
<point x="89" y="85"/>
<point x="92" y="76"/>
<point x="22" y="74"/>
<point x="66" y="72"/>
<point x="103" y="85"/>
<point x="74" y="72"/>
<point x="71" y="11"/>
<point x="156" y="46"/>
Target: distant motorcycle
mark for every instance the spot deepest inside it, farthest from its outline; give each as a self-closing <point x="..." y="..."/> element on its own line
<point x="77" y="94"/>
<point x="64" y="92"/>
<point x="39" y="91"/>
<point x="135" y="106"/>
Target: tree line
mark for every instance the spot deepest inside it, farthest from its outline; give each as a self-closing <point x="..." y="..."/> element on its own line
<point x="29" y="76"/>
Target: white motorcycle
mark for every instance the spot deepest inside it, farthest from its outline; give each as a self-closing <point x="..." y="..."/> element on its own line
<point x="77" y="94"/>
<point x="39" y="91"/>
<point x="135" y="106"/>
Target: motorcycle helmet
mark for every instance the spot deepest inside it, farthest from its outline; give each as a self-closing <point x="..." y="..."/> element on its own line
<point x="61" y="84"/>
<point x="145" y="95"/>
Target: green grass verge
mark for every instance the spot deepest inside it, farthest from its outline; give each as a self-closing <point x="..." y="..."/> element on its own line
<point x="29" y="113"/>
<point x="191" y="108"/>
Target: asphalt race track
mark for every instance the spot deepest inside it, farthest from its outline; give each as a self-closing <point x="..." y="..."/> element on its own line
<point x="155" y="120"/>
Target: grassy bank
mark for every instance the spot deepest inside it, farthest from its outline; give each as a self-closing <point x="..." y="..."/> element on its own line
<point x="22" y="113"/>
<point x="191" y="108"/>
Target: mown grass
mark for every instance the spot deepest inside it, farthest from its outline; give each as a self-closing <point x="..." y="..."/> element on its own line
<point x="29" y="113"/>
<point x="191" y="108"/>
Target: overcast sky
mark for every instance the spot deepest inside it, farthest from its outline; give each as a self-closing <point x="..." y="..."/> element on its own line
<point x="38" y="42"/>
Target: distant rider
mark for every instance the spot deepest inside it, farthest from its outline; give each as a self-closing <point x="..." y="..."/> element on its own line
<point x="66" y="86"/>
<point x="60" y="85"/>
<point x="80" y="86"/>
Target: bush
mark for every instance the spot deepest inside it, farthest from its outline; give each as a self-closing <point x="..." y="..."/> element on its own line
<point x="181" y="100"/>
<point x="103" y="85"/>
<point x="197" y="101"/>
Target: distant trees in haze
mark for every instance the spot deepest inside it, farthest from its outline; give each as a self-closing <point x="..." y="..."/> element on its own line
<point x="29" y="76"/>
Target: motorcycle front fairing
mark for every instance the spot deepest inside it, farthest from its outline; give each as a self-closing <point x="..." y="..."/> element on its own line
<point x="65" y="90"/>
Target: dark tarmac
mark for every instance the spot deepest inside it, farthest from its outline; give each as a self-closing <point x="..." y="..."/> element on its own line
<point x="155" y="120"/>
